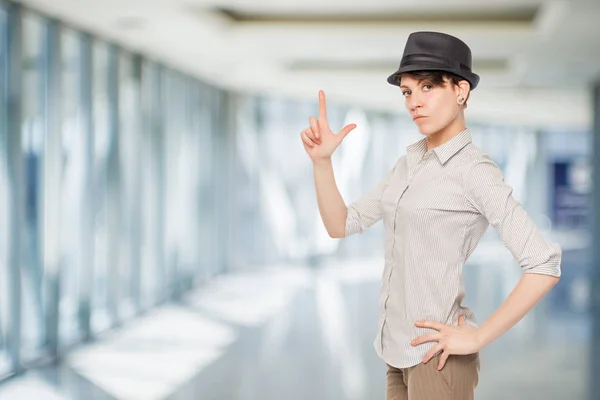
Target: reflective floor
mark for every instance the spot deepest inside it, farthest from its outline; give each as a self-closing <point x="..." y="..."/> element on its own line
<point x="291" y="333"/>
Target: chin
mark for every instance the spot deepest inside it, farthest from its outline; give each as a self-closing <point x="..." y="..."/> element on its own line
<point x="429" y="128"/>
<point x="426" y="131"/>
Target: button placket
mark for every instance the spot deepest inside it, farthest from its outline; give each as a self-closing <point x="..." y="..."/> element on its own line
<point x="411" y="170"/>
<point x="412" y="167"/>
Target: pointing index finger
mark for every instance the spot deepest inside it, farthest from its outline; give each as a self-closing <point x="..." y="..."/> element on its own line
<point x="322" y="107"/>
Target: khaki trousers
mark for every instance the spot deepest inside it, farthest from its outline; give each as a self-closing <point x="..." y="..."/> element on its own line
<point x="456" y="381"/>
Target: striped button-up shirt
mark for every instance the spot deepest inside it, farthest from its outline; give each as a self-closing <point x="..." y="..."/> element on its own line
<point x="435" y="206"/>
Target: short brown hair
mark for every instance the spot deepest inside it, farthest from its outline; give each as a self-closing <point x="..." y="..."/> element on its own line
<point x="436" y="78"/>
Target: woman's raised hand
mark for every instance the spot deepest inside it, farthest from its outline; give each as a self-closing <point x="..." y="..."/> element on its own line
<point x="318" y="139"/>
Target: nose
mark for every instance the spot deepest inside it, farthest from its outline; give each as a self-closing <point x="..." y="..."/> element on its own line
<point x="414" y="102"/>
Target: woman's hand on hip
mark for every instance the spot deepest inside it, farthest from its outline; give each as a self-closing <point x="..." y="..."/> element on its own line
<point x="461" y="339"/>
<point x="318" y="139"/>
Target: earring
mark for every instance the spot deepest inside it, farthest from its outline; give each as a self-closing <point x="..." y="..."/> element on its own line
<point x="461" y="99"/>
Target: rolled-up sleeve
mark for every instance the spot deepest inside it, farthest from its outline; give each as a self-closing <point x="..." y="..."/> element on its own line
<point x="367" y="210"/>
<point x="492" y="197"/>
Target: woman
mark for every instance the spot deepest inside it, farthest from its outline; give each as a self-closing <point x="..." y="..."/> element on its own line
<point x="435" y="203"/>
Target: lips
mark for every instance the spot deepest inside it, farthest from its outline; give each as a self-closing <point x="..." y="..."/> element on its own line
<point x="416" y="117"/>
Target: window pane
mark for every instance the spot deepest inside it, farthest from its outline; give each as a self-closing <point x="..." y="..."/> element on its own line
<point x="101" y="319"/>
<point x="129" y="109"/>
<point x="203" y="110"/>
<point x="152" y="273"/>
<point x="181" y="186"/>
<point x="74" y="142"/>
<point x="5" y="300"/>
<point x="32" y="275"/>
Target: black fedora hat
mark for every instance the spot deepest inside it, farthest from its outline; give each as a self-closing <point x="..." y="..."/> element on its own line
<point x="435" y="51"/>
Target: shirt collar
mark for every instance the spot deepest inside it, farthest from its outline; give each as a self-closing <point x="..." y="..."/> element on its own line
<point x="446" y="150"/>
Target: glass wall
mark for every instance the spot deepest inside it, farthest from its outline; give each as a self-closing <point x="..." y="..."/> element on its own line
<point x="569" y="203"/>
<point x="127" y="277"/>
<point x="114" y="163"/>
<point x="102" y="138"/>
<point x="202" y="119"/>
<point x="73" y="187"/>
<point x="34" y="145"/>
<point x="5" y="299"/>
<point x="152" y="203"/>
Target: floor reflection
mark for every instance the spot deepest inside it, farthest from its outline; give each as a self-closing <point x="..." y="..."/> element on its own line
<point x="302" y="333"/>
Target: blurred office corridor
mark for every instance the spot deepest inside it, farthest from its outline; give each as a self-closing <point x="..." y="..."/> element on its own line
<point x="159" y="233"/>
<point x="294" y="333"/>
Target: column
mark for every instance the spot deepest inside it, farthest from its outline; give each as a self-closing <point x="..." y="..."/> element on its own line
<point x="595" y="267"/>
<point x="16" y="179"/>
<point x="52" y="181"/>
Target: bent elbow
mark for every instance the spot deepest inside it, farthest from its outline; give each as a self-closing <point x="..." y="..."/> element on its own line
<point x="337" y="234"/>
<point x="338" y="230"/>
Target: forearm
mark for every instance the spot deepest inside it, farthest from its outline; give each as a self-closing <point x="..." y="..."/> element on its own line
<point x="528" y="292"/>
<point x="331" y="205"/>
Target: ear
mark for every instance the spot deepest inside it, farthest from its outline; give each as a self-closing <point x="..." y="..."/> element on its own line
<point x="462" y="91"/>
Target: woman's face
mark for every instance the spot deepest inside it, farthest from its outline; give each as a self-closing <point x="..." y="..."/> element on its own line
<point x="432" y="108"/>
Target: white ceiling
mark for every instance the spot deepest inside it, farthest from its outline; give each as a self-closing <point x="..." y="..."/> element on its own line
<point x="537" y="63"/>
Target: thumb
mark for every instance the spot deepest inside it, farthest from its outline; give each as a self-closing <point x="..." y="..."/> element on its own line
<point x="346" y="130"/>
<point x="461" y="320"/>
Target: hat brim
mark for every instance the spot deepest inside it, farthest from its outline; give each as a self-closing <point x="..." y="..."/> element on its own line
<point x="472" y="78"/>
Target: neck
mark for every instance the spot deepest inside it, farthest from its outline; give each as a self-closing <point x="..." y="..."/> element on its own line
<point x="442" y="136"/>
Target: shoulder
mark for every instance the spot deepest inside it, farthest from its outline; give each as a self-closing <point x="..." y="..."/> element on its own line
<point x="474" y="158"/>
<point x="478" y="168"/>
<point x="473" y="154"/>
<point x="398" y="162"/>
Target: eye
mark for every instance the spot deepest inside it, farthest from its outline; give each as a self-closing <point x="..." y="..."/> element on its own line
<point x="406" y="93"/>
<point x="427" y="87"/>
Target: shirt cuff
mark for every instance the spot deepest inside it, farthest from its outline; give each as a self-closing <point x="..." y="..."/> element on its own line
<point x="550" y="266"/>
<point x="352" y="221"/>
